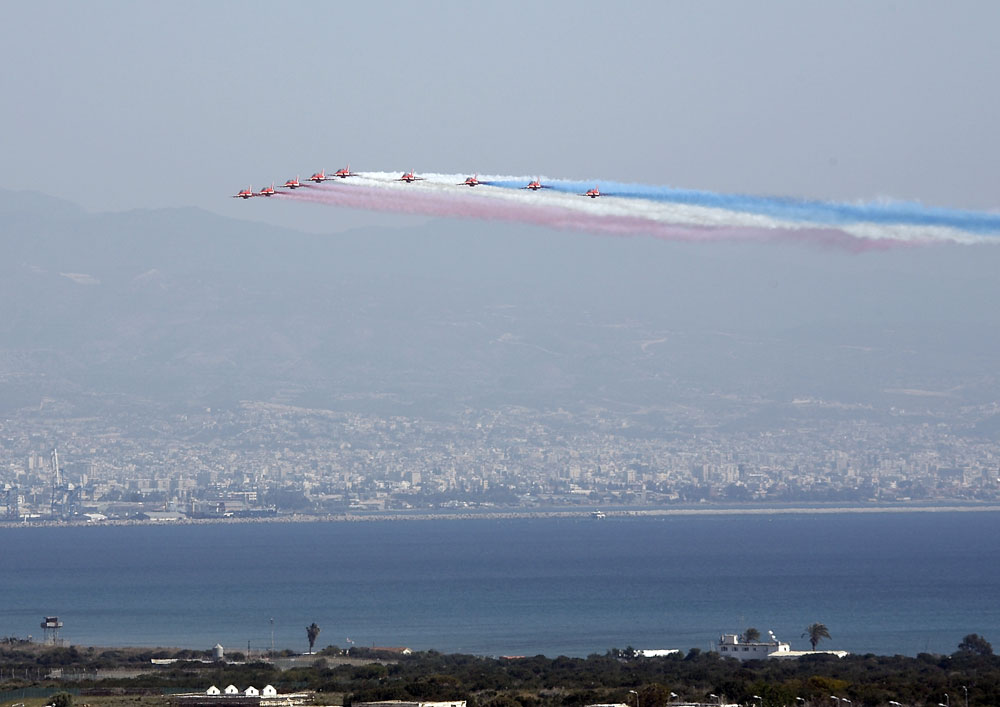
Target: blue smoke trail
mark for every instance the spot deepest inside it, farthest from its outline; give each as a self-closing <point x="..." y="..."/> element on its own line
<point x="789" y="209"/>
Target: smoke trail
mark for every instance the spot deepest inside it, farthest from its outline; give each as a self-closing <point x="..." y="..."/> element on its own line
<point x="658" y="211"/>
<point x="803" y="210"/>
<point x="415" y="200"/>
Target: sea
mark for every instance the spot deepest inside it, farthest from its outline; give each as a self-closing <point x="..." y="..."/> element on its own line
<point x="884" y="583"/>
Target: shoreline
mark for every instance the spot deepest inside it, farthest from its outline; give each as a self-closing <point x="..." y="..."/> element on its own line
<point x="519" y="514"/>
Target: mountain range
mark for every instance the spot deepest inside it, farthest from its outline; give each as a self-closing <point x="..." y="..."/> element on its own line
<point x="182" y="307"/>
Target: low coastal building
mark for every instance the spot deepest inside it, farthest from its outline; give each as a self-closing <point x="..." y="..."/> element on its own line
<point x="398" y="650"/>
<point x="732" y="645"/>
<point x="232" y="696"/>
<point x="404" y="703"/>
<point x="656" y="652"/>
<point x="803" y="654"/>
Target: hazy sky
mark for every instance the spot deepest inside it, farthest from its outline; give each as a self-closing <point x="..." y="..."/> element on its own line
<point x="119" y="105"/>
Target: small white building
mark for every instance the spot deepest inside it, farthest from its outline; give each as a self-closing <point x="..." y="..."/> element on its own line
<point x="267" y="697"/>
<point x="656" y="652"/>
<point x="803" y="654"/>
<point x="731" y="645"/>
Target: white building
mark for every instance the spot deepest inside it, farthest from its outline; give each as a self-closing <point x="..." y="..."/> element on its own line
<point x="656" y="652"/>
<point x="802" y="654"/>
<point x="731" y="645"/>
<point x="266" y="697"/>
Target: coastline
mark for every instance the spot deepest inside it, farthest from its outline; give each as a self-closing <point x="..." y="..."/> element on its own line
<point x="519" y="514"/>
<point x="532" y="586"/>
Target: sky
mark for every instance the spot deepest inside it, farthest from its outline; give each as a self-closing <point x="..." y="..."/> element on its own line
<point x="121" y="105"/>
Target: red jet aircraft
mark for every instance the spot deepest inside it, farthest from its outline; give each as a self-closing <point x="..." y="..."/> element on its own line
<point x="592" y="193"/>
<point x="471" y="182"/>
<point x="345" y="173"/>
<point x="320" y="177"/>
<point x="536" y="185"/>
<point x="409" y="177"/>
<point x="292" y="184"/>
<point x="267" y="191"/>
<point x="244" y="193"/>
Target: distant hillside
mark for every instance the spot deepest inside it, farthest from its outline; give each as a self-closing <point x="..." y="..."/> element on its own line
<point x="183" y="307"/>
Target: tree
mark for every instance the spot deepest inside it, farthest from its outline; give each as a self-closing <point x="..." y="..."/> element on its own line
<point x="975" y="644"/>
<point x="751" y="635"/>
<point x="312" y="633"/>
<point x="816" y="633"/>
<point x="62" y="699"/>
<point x="654" y="695"/>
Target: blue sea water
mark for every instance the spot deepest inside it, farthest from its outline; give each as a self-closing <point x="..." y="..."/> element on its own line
<point x="883" y="583"/>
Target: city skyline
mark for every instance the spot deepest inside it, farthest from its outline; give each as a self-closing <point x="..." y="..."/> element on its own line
<point x="449" y="366"/>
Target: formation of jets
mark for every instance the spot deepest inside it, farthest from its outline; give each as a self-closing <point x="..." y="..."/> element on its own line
<point x="408" y="177"/>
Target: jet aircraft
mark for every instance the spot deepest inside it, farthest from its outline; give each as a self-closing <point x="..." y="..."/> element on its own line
<point x="320" y="177"/>
<point x="292" y="184"/>
<point x="245" y="193"/>
<point x="592" y="193"/>
<point x="471" y="182"/>
<point x="409" y="177"/>
<point x="536" y="185"/>
<point x="344" y="173"/>
<point x="267" y="191"/>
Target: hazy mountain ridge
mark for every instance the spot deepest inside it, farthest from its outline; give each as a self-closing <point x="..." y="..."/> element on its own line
<point x="183" y="307"/>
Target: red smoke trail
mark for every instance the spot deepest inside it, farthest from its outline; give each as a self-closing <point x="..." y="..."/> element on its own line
<point x="434" y="203"/>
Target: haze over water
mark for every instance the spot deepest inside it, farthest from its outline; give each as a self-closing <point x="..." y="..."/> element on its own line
<point x="884" y="583"/>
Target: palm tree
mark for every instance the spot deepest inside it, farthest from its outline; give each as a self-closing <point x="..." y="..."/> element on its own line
<point x="816" y="633"/>
<point x="312" y="633"/>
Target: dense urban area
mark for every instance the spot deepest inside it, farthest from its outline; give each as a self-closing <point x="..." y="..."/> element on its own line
<point x="263" y="459"/>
